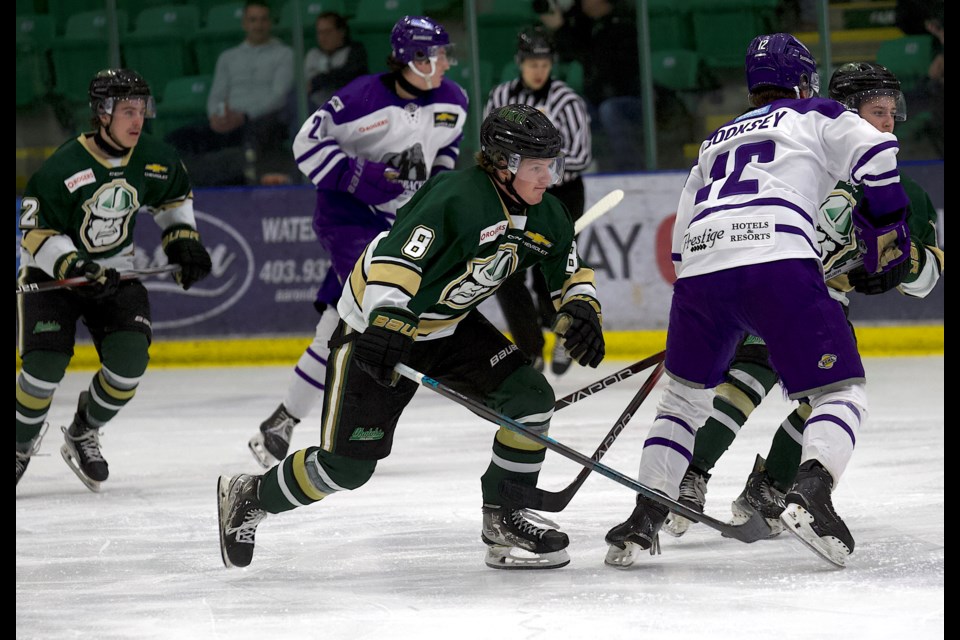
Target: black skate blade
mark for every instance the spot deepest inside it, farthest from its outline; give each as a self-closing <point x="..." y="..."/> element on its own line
<point x="259" y="450"/>
<point x="223" y="488"/>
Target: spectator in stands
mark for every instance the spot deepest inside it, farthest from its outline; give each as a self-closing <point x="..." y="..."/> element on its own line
<point x="251" y="85"/>
<point x="335" y="61"/>
<point x="602" y="36"/>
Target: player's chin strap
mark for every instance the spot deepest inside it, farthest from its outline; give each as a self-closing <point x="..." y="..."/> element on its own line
<point x="521" y="204"/>
<point x="115" y="150"/>
<point x="425" y="76"/>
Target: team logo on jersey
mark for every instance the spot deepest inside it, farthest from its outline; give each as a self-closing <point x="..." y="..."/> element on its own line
<point x="827" y="361"/>
<point x="108" y="214"/>
<point x="336" y="103"/>
<point x="835" y="227"/>
<point x="372" y="433"/>
<point x="482" y="278"/>
<point x="79" y="179"/>
<point x="410" y="164"/>
<point x="445" y="119"/>
<point x="538" y="238"/>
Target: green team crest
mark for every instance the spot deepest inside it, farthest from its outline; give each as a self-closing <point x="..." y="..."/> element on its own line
<point x="483" y="276"/>
<point x="835" y="227"/>
<point x="107" y="216"/>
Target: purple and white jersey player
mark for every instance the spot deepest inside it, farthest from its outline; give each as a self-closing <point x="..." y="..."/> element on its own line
<point x="748" y="261"/>
<point x="368" y="150"/>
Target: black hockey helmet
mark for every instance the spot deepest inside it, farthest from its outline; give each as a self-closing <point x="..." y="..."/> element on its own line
<point x="521" y="130"/>
<point x="534" y="42"/>
<point x="110" y="86"/>
<point x="855" y="82"/>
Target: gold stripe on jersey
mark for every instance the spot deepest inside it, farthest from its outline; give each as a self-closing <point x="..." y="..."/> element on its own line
<point x="35" y="238"/>
<point x="938" y="254"/>
<point x="584" y="275"/>
<point x="516" y="440"/>
<point x="394" y="275"/>
<point x="299" y="468"/>
<point x="426" y="327"/>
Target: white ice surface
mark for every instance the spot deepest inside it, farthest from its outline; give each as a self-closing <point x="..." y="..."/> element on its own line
<point x="402" y="558"/>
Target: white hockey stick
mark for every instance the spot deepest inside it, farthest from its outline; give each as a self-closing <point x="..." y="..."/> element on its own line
<point x="602" y="206"/>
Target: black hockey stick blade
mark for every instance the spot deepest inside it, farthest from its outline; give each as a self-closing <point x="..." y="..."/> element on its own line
<point x="744" y="533"/>
<point x="613" y="378"/>
<point x="526" y="496"/>
<point x="79" y="281"/>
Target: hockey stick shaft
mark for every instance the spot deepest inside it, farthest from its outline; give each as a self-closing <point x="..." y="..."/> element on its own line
<point x="743" y="533"/>
<point x="601" y="207"/>
<point x="613" y="378"/>
<point x="79" y="281"/>
<point x="534" y="498"/>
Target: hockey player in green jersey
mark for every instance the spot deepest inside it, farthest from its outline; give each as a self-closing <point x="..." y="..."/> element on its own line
<point x="874" y="92"/>
<point x="77" y="218"/>
<point x="413" y="298"/>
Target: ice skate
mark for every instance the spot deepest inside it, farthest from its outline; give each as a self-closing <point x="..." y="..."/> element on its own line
<point x="26" y="450"/>
<point x="809" y="515"/>
<point x="271" y="444"/>
<point x="693" y="494"/>
<point x="238" y="507"/>
<point x="759" y="496"/>
<point x="81" y="448"/>
<point x="638" y="533"/>
<point x="514" y="542"/>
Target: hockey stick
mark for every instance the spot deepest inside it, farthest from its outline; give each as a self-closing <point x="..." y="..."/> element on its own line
<point x="537" y="499"/>
<point x="79" y="281"/>
<point x="602" y="206"/>
<point x="745" y="533"/>
<point x="613" y="378"/>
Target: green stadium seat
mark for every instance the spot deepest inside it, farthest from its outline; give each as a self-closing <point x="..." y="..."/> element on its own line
<point x="908" y="58"/>
<point x="309" y="10"/>
<point x="34" y="35"/>
<point x="723" y="30"/>
<point x="498" y="23"/>
<point x="61" y="10"/>
<point x="677" y="69"/>
<point x="374" y="22"/>
<point x="671" y="26"/>
<point x="25" y="8"/>
<point x="462" y="74"/>
<point x="222" y="29"/>
<point x="184" y="102"/>
<point x="82" y="51"/>
<point x="158" y="46"/>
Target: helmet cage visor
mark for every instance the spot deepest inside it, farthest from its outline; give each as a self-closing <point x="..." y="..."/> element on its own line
<point x="433" y="52"/>
<point x="532" y="169"/>
<point x="868" y="98"/>
<point x="107" y="105"/>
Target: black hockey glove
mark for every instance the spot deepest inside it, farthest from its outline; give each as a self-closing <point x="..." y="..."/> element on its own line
<point x="387" y="341"/>
<point x="103" y="282"/>
<point x="579" y="325"/>
<point x="873" y="283"/>
<point x="182" y="246"/>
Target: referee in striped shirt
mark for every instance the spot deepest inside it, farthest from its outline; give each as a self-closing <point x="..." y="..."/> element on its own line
<point x="568" y="112"/>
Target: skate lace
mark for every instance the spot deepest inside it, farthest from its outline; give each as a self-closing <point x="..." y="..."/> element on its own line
<point x="526" y="521"/>
<point x="34" y="446"/>
<point x="693" y="489"/>
<point x="246" y="530"/>
<point x="89" y="445"/>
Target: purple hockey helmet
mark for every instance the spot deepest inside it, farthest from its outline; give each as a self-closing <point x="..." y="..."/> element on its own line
<point x="417" y="39"/>
<point x="780" y="60"/>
